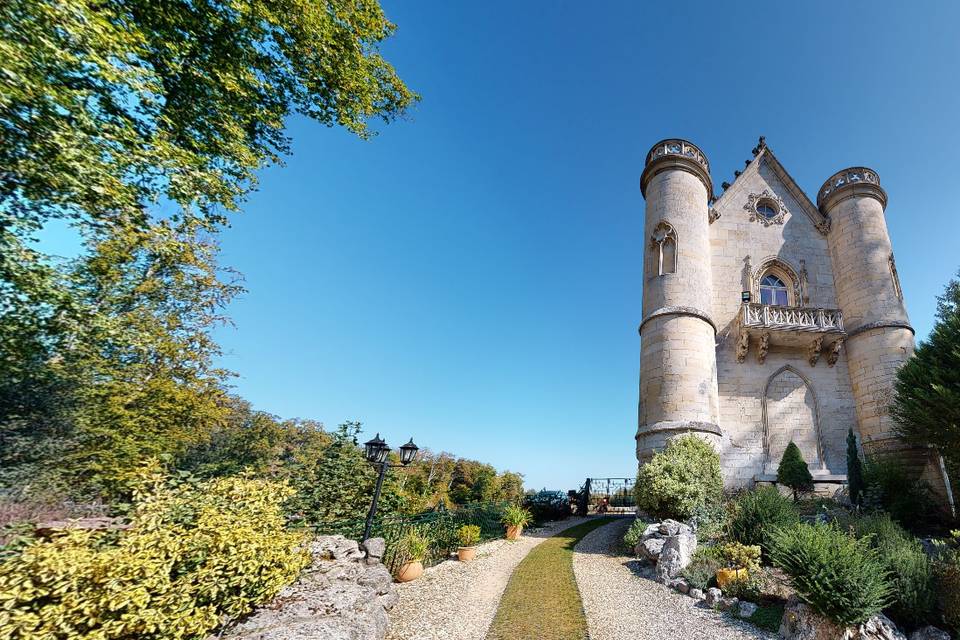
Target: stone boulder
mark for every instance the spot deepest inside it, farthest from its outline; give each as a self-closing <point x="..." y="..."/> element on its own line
<point x="929" y="633"/>
<point x="344" y="594"/>
<point x="746" y="609"/>
<point x="675" y="556"/>
<point x="801" y="622"/>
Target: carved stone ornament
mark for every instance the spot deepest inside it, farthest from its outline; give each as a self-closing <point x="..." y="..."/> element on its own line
<point x="770" y="199"/>
<point x="763" y="347"/>
<point x="813" y="351"/>
<point x="743" y="345"/>
<point x="713" y="215"/>
<point x="804" y="282"/>
<point x="834" y="353"/>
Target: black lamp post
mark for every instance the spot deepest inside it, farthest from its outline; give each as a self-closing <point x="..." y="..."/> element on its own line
<point x="376" y="451"/>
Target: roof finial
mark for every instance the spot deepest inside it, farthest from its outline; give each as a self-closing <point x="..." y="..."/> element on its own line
<point x="761" y="145"/>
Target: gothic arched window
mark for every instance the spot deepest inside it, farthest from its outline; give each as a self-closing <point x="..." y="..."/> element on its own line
<point x="773" y="290"/>
<point x="664" y="249"/>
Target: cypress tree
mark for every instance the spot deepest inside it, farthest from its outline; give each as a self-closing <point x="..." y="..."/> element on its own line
<point x="854" y="470"/>
<point x="793" y="471"/>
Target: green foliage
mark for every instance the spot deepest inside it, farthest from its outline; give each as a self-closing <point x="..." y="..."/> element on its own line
<point x="947" y="573"/>
<point x="680" y="479"/>
<point x="926" y="406"/>
<point x="141" y="124"/>
<point x="712" y="522"/>
<point x="413" y="546"/>
<point x="468" y="535"/>
<point x="196" y="553"/>
<point x="749" y="589"/>
<point x="340" y="484"/>
<point x="854" y="469"/>
<point x="740" y="556"/>
<point x="546" y="506"/>
<point x="909" y="567"/>
<point x="757" y="513"/>
<point x="768" y="617"/>
<point x="793" y="471"/>
<point x="841" y="577"/>
<point x="516" y="516"/>
<point x="889" y="487"/>
<point x="634" y="533"/>
<point x="702" y="570"/>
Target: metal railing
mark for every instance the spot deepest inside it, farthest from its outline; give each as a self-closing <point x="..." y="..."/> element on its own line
<point x="615" y="494"/>
<point x="439" y="525"/>
<point x="791" y="318"/>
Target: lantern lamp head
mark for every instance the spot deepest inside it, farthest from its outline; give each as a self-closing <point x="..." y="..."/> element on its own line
<point x="376" y="450"/>
<point x="408" y="452"/>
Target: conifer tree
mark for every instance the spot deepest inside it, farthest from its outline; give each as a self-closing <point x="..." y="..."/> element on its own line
<point x="793" y="471"/>
<point x="854" y="469"/>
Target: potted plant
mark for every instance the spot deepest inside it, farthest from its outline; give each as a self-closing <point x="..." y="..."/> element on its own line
<point x="739" y="560"/>
<point x="411" y="550"/>
<point x="469" y="536"/>
<point x="515" y="518"/>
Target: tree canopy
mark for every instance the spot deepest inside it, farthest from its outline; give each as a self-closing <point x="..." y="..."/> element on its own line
<point x="926" y="405"/>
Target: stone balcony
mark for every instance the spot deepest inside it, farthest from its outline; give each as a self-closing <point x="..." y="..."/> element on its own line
<point x="796" y="327"/>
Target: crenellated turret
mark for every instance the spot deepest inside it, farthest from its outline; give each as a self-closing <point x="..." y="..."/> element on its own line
<point x="879" y="335"/>
<point x="678" y="369"/>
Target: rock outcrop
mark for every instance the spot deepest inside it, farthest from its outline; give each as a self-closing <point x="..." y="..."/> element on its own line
<point x="801" y="622"/>
<point x="669" y="545"/>
<point x="344" y="595"/>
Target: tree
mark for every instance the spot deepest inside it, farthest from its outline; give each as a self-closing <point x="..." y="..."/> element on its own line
<point x="926" y="405"/>
<point x="854" y="469"/>
<point x="793" y="471"/>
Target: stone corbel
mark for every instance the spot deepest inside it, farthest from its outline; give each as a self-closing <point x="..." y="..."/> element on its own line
<point x="813" y="351"/>
<point x="763" y="347"/>
<point x="743" y="345"/>
<point x="834" y="353"/>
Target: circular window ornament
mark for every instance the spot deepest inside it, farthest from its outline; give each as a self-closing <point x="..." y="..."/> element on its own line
<point x="766" y="208"/>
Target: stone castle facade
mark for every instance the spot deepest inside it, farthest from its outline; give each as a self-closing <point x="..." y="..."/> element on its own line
<point x="768" y="318"/>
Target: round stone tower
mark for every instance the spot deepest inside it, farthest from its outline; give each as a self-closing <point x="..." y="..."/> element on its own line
<point x="678" y="366"/>
<point x="879" y="336"/>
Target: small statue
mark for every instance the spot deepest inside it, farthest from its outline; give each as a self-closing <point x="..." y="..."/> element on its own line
<point x="763" y="348"/>
<point x="743" y="345"/>
<point x="834" y="354"/>
<point x="813" y="352"/>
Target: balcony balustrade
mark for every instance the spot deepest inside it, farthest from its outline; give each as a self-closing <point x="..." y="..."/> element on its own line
<point x="776" y="318"/>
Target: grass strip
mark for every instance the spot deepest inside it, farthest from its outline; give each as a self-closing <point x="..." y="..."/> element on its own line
<point x="541" y="601"/>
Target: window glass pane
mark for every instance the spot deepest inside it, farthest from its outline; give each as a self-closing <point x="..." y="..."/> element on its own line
<point x="766" y="295"/>
<point x="781" y="297"/>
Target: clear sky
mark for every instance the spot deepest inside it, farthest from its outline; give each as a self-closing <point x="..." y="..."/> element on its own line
<point x="471" y="277"/>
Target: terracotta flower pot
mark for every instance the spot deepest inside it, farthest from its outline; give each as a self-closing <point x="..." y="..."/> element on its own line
<point x="410" y="571"/>
<point x="466" y="554"/>
<point x="513" y="533"/>
<point x="726" y="576"/>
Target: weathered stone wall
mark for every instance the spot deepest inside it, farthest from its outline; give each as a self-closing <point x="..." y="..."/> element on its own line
<point x="344" y="595"/>
<point x="739" y="248"/>
<point x="678" y="377"/>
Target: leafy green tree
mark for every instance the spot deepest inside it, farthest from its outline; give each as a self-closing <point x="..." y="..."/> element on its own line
<point x="854" y="469"/>
<point x="341" y="484"/>
<point x="680" y="480"/>
<point x="793" y="471"/>
<point x="926" y="405"/>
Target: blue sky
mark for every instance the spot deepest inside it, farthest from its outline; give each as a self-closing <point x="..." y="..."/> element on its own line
<point x="471" y="277"/>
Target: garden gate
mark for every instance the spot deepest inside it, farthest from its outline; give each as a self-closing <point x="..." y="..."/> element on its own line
<point x="615" y="493"/>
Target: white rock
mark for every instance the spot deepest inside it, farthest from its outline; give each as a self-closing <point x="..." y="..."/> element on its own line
<point x="713" y="596"/>
<point x="746" y="609"/>
<point x="696" y="594"/>
<point x="675" y="556"/>
<point x="929" y="633"/>
<point x="801" y="622"/>
<point x="651" y="548"/>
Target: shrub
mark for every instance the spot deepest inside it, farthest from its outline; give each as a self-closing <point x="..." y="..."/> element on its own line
<point x="757" y="513"/>
<point x="712" y="522"/>
<point x="468" y="535"/>
<point x="740" y="556"/>
<point x="632" y="537"/>
<point x="196" y="553"/>
<point x="703" y="567"/>
<point x="679" y="479"/>
<point x="793" y="471"/>
<point x="854" y="469"/>
<point x="516" y="516"/>
<point x="841" y="577"/>
<point x="413" y="546"/>
<point x="749" y="589"/>
<point x="947" y="572"/>
<point x="545" y="506"/>
<point x="888" y="486"/>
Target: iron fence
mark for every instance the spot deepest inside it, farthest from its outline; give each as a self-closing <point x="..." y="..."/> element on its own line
<point x="440" y="526"/>
<point x="606" y="495"/>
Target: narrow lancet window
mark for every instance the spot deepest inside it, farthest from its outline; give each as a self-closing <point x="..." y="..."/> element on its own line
<point x="664" y="247"/>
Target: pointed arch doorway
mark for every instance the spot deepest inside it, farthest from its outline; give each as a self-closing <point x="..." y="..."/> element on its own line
<point x="791" y="413"/>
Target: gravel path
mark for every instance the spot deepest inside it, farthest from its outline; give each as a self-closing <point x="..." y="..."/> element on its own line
<point x="621" y="604"/>
<point x="457" y="600"/>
